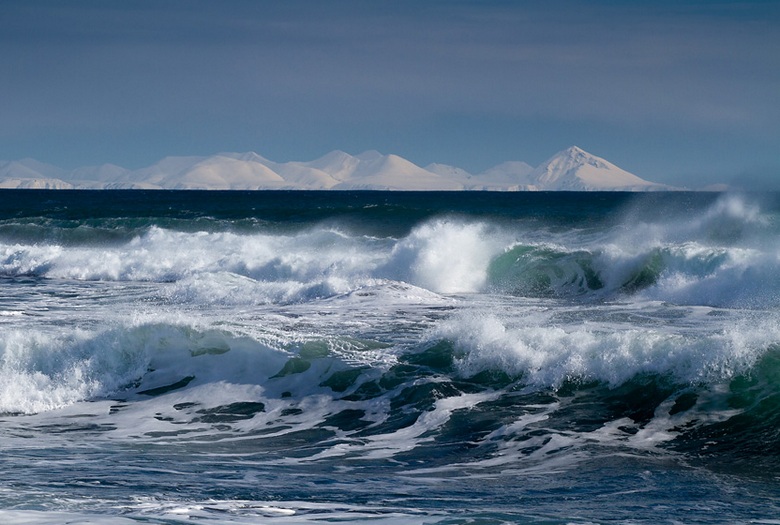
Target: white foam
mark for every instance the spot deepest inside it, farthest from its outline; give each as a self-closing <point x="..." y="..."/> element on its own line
<point x="164" y="255"/>
<point x="737" y="277"/>
<point x="441" y="256"/>
<point x="236" y="512"/>
<point x="446" y="256"/>
<point x="546" y="354"/>
<point x="727" y="255"/>
<point x="33" y="517"/>
<point x="41" y="371"/>
<point x="366" y="283"/>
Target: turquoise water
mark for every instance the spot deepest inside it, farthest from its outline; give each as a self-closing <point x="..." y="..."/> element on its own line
<point x="308" y="357"/>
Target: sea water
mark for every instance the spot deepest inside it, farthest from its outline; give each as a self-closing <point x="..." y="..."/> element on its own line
<point x="390" y="358"/>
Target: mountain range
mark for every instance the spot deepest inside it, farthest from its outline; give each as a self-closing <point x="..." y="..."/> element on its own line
<point x="572" y="169"/>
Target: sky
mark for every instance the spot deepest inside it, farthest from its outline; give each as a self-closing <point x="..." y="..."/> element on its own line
<point x="680" y="92"/>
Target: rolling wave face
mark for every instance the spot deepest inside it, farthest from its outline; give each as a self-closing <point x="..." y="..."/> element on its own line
<point x="689" y="273"/>
<point x="726" y="258"/>
<point x="544" y="271"/>
<point x="750" y="431"/>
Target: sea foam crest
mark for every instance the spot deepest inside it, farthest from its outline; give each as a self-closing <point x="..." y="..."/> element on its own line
<point x="441" y="256"/>
<point x="727" y="256"/>
<point x="546" y="355"/>
<point x="41" y="371"/>
<point x="445" y="256"/>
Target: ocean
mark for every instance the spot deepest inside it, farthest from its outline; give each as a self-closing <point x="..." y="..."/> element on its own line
<point x="186" y="357"/>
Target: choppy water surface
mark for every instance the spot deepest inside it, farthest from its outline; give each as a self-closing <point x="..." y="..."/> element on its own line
<point x="299" y="357"/>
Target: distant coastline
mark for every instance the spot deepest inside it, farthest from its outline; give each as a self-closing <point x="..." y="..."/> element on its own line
<point x="572" y="169"/>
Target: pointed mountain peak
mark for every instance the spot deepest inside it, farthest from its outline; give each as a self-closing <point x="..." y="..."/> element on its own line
<point x="577" y="155"/>
<point x="576" y="169"/>
<point x="573" y="157"/>
<point x="249" y="156"/>
<point x="334" y="156"/>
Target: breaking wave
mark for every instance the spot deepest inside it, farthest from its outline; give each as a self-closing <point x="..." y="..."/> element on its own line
<point x="728" y="255"/>
<point x="476" y="388"/>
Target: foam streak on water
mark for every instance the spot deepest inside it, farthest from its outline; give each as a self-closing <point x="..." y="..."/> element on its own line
<point x="186" y="357"/>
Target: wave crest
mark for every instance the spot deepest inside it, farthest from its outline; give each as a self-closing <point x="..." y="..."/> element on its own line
<point x="726" y="255"/>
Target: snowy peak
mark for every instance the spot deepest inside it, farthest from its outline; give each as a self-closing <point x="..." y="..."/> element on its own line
<point x="574" y="169"/>
<point x="337" y="164"/>
<point x="225" y="173"/>
<point x="372" y="170"/>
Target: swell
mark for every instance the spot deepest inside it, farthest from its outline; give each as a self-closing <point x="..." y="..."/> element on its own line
<point x="724" y="255"/>
<point x="688" y="273"/>
<point x="443" y="401"/>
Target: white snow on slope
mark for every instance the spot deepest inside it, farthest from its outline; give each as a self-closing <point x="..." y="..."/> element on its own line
<point x="34" y="183"/>
<point x="224" y="173"/>
<point x="32" y="174"/>
<point x="299" y="175"/>
<point x="375" y="171"/>
<point x="576" y="170"/>
<point x="450" y="172"/>
<point x="570" y="170"/>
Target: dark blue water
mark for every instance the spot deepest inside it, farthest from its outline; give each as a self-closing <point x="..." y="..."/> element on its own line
<point x="299" y="357"/>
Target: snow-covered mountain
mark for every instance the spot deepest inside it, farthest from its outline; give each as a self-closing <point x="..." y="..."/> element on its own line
<point x="34" y="183"/>
<point x="375" y="171"/>
<point x="572" y="169"/>
<point x="296" y="174"/>
<point x="32" y="174"/>
<point x="576" y="170"/>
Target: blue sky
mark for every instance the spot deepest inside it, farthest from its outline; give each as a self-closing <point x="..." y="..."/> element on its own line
<point x="682" y="92"/>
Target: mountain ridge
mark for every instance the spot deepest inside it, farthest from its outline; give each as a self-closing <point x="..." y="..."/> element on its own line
<point x="572" y="169"/>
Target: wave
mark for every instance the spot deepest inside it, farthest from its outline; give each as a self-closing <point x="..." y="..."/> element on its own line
<point x="169" y="256"/>
<point x="273" y="268"/>
<point x="727" y="255"/>
<point x="689" y="273"/>
<point x="475" y="388"/>
<point x="546" y="352"/>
